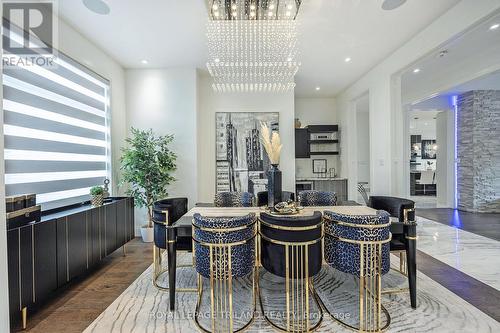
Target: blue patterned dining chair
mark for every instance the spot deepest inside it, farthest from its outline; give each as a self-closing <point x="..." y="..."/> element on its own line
<point x="359" y="245"/>
<point x="224" y="249"/>
<point x="317" y="198"/>
<point x="233" y="199"/>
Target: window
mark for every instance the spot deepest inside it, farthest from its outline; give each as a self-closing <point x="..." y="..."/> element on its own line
<point x="57" y="131"/>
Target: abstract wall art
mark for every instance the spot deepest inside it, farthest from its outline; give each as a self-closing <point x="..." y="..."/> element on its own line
<point x="241" y="162"/>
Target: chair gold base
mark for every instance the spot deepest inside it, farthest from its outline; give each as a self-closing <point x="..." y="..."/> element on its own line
<point x="354" y="328"/>
<point x="292" y="325"/>
<point x="158" y="271"/>
<point x="221" y="281"/>
<point x="24" y="317"/>
<point x="230" y="324"/>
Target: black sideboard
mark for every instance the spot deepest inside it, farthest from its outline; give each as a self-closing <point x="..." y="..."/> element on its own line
<point x="44" y="256"/>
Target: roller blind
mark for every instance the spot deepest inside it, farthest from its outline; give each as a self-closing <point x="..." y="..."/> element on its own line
<point x="56" y="130"/>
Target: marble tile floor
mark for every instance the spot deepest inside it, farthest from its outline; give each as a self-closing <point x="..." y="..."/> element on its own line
<point x="142" y="308"/>
<point x="424" y="201"/>
<point x="472" y="254"/>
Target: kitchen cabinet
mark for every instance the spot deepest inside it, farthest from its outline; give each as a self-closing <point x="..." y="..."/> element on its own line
<point x="301" y="143"/>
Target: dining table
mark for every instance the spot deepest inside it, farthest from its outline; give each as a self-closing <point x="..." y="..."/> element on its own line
<point x="183" y="226"/>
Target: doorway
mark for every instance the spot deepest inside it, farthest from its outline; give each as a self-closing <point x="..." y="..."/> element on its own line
<point x="363" y="144"/>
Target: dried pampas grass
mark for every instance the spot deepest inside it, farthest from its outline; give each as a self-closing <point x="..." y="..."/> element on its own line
<point x="271" y="142"/>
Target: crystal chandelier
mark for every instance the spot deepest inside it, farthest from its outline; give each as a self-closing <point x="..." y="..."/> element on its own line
<point x="252" y="45"/>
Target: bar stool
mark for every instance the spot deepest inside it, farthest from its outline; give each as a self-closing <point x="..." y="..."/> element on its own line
<point x="291" y="248"/>
<point x="165" y="213"/>
<point x="224" y="249"/>
<point x="359" y="245"/>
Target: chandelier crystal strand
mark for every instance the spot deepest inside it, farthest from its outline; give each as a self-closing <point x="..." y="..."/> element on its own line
<point x="252" y="45"/>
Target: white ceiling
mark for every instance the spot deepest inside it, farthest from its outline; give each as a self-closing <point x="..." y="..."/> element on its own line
<point x="423" y="122"/>
<point x="443" y="101"/>
<point x="171" y="33"/>
<point x="470" y="60"/>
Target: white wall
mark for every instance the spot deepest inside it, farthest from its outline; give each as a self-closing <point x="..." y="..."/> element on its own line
<point x="75" y="45"/>
<point x="445" y="140"/>
<point x="388" y="146"/>
<point x="363" y="145"/>
<point x="315" y="111"/>
<point x="211" y="102"/>
<point x="165" y="100"/>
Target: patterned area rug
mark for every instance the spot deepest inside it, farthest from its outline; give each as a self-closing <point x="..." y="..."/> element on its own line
<point x="142" y="308"/>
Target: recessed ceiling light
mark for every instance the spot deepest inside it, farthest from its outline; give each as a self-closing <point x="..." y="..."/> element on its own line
<point x="443" y="54"/>
<point x="347" y="59"/>
<point x="392" y="4"/>
<point x="318" y="88"/>
<point x="97" y="6"/>
<point x="144" y="62"/>
<point x="416" y="70"/>
<point x="495" y="26"/>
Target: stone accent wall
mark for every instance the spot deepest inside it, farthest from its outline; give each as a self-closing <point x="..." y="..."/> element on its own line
<point x="478" y="143"/>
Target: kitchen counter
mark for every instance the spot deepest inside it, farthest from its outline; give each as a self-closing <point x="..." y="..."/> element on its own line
<point x="337" y="185"/>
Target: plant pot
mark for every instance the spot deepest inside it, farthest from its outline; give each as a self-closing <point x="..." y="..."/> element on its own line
<point x="97" y="200"/>
<point x="147" y="234"/>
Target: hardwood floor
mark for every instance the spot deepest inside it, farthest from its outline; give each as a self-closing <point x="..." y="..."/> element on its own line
<point x="75" y="307"/>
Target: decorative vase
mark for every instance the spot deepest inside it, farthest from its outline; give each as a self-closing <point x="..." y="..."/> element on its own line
<point x="298" y="124"/>
<point x="97" y="200"/>
<point x="273" y="186"/>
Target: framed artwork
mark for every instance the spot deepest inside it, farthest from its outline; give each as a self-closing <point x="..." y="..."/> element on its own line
<point x="319" y="166"/>
<point x="429" y="149"/>
<point x="241" y="162"/>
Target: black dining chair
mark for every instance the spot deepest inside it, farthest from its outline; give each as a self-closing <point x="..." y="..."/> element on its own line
<point x="165" y="213"/>
<point x="404" y="237"/>
<point x="291" y="248"/>
<point x="262" y="197"/>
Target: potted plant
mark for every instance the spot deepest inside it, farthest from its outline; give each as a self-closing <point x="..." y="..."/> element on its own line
<point x="97" y="193"/>
<point x="147" y="165"/>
